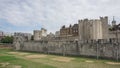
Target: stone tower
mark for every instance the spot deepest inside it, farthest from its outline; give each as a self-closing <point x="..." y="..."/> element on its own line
<point x="38" y="34"/>
<point x="105" y="27"/>
<point x="93" y="29"/>
<point x="83" y="29"/>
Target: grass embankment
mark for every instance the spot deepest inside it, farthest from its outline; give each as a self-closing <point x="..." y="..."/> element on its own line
<point x="15" y="59"/>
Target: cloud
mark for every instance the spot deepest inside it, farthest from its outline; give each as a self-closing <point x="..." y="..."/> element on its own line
<point x="52" y="14"/>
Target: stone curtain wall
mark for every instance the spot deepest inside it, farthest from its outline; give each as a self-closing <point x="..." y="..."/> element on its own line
<point x="57" y="47"/>
<point x="100" y="48"/>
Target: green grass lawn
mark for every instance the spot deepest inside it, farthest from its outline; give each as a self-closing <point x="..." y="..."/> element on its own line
<point x="13" y="59"/>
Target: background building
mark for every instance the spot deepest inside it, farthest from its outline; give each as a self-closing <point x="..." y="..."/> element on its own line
<point x="114" y="30"/>
<point x="75" y="30"/>
<point x="26" y="35"/>
<point x="66" y="31"/>
<point x="8" y="34"/>
<point x="57" y="34"/>
<point x="38" y="34"/>
<point x="70" y="31"/>
<point x="50" y="35"/>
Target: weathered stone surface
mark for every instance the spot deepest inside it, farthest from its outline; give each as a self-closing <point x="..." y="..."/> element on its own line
<point x="103" y="48"/>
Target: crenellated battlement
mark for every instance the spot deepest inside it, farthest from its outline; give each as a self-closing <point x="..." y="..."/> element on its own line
<point x="105" y="48"/>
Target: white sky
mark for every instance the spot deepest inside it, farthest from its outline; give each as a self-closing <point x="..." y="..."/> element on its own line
<point x="52" y="14"/>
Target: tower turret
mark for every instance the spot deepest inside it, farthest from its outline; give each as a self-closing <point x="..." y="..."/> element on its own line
<point x="113" y="22"/>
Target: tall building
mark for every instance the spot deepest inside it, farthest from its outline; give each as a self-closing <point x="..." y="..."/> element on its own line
<point x="38" y="34"/>
<point x="93" y="29"/>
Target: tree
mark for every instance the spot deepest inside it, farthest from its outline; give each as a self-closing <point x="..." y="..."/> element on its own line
<point x="7" y="39"/>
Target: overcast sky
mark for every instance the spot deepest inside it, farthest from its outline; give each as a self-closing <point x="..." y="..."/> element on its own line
<point x="28" y="15"/>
